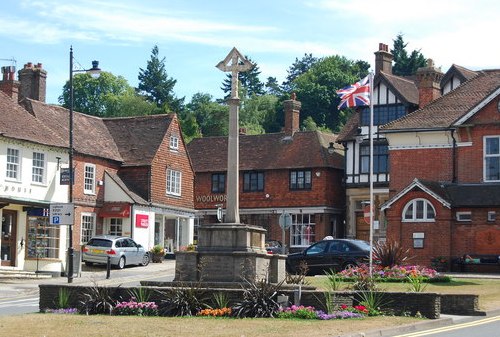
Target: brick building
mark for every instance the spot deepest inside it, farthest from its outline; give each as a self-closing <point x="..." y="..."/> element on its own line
<point x="445" y="170"/>
<point x="132" y="176"/>
<point x="298" y="172"/>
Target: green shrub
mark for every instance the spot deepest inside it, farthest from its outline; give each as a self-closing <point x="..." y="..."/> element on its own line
<point x="259" y="300"/>
<point x="390" y="253"/>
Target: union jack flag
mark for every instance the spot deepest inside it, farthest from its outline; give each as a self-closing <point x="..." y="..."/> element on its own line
<point x="357" y="94"/>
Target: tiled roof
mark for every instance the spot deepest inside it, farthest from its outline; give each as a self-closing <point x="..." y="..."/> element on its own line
<point x="90" y="135"/>
<point x="267" y="152"/>
<point x="462" y="73"/>
<point x="405" y="86"/>
<point x="17" y="123"/>
<point x="134" y="196"/>
<point x="350" y="129"/>
<point x="467" y="195"/>
<point x="447" y="109"/>
<point x="138" y="138"/>
<point x="405" y="89"/>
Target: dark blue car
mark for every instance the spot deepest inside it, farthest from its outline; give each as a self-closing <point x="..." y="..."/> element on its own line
<point x="335" y="254"/>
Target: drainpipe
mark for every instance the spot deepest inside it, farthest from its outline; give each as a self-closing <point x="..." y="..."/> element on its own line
<point x="454" y="157"/>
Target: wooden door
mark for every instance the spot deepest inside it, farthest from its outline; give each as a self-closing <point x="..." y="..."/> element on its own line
<point x="362" y="228"/>
<point x="8" y="246"/>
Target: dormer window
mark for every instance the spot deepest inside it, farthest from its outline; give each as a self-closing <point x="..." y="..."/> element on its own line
<point x="174" y="143"/>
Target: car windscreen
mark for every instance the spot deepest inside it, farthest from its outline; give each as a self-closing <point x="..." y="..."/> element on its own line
<point x="99" y="243"/>
<point x="363" y="245"/>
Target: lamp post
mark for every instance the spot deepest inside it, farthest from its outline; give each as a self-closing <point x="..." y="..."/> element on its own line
<point x="93" y="71"/>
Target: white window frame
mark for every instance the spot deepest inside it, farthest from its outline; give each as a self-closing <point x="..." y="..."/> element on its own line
<point x="87" y="227"/>
<point x="38" y="168"/>
<point x="492" y="216"/>
<point x="300" y="235"/>
<point x="174" y="142"/>
<point x="174" y="179"/>
<point x="464" y="216"/>
<point x="89" y="178"/>
<point x="413" y="203"/>
<point x="487" y="156"/>
<point x="13" y="166"/>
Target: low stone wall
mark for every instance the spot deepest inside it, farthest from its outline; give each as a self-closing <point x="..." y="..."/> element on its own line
<point x="460" y="304"/>
<point x="427" y="304"/>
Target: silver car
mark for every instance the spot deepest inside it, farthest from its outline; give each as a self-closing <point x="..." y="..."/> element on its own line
<point x="121" y="250"/>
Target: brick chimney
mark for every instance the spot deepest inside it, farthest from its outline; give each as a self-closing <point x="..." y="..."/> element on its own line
<point x="8" y="84"/>
<point x="33" y="82"/>
<point x="292" y="115"/>
<point x="428" y="83"/>
<point x="383" y="59"/>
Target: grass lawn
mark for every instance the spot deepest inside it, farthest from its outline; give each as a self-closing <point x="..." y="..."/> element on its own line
<point x="487" y="289"/>
<point x="57" y="325"/>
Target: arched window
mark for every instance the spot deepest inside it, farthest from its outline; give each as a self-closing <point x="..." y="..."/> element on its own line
<point x="419" y="210"/>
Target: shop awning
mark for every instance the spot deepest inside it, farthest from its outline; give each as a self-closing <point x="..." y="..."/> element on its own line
<point x="115" y="210"/>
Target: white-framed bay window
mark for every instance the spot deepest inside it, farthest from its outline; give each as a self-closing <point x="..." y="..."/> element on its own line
<point x="174" y="182"/>
<point x="303" y="230"/>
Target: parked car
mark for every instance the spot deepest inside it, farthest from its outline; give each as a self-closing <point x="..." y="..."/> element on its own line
<point x="336" y="254"/>
<point x="274" y="247"/>
<point x="122" y="250"/>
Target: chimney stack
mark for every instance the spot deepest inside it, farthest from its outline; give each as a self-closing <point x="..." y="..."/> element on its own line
<point x="292" y="115"/>
<point x="428" y="83"/>
<point x="8" y="84"/>
<point x="33" y="80"/>
<point x="383" y="59"/>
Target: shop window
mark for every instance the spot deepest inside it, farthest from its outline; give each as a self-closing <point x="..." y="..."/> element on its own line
<point x="88" y="227"/>
<point x="43" y="239"/>
<point x="419" y="210"/>
<point x="303" y="230"/>
<point x="115" y="226"/>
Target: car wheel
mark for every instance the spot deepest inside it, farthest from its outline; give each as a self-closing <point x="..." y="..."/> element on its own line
<point x="89" y="264"/>
<point x="349" y="265"/>
<point x="145" y="260"/>
<point x="121" y="263"/>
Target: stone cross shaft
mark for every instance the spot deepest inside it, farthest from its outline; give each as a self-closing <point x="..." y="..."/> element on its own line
<point x="234" y="63"/>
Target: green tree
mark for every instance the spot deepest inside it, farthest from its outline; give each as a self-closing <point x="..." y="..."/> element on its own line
<point x="317" y="87"/>
<point x="95" y="96"/>
<point x="256" y="112"/>
<point x="298" y="68"/>
<point x="156" y="86"/>
<point x="405" y="65"/>
<point x="248" y="80"/>
<point x="212" y="117"/>
<point x="273" y="87"/>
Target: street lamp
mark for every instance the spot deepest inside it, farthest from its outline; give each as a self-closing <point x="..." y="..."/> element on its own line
<point x="94" y="71"/>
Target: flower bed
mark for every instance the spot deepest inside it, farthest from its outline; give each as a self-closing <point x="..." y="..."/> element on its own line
<point x="394" y="274"/>
<point x="302" y="312"/>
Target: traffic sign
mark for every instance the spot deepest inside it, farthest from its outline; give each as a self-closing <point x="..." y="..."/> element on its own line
<point x="285" y="220"/>
<point x="62" y="214"/>
<point x="366" y="213"/>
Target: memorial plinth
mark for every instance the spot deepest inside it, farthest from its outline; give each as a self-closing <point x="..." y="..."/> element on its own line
<point x="229" y="253"/>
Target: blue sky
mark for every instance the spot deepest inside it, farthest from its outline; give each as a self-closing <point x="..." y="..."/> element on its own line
<point x="194" y="35"/>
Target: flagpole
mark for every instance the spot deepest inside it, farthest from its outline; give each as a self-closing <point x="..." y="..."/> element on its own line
<point x="372" y="208"/>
